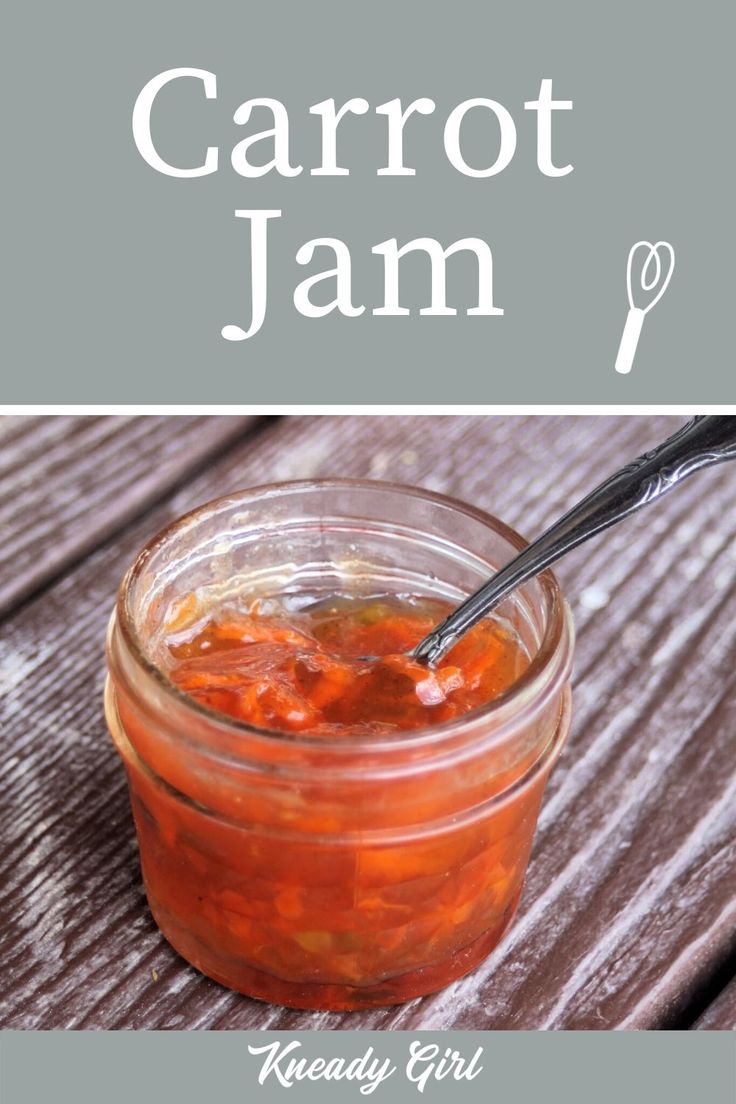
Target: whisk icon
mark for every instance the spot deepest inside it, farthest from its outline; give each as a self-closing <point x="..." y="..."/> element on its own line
<point x="657" y="266"/>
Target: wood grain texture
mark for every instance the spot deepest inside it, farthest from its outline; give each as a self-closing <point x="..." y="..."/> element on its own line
<point x="721" y="1015"/>
<point x="66" y="483"/>
<point x="630" y="901"/>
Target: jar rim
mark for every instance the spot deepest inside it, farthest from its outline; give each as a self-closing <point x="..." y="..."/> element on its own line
<point x="556" y="642"/>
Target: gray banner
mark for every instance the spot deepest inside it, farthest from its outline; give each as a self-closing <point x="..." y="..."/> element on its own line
<point x="518" y="1067"/>
<point x="121" y="279"/>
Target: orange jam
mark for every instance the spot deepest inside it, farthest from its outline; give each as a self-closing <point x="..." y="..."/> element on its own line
<point x="319" y="873"/>
<point x="305" y="669"/>
<point x="322" y="821"/>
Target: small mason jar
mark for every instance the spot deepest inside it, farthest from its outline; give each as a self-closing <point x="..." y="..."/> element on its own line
<point x="349" y="871"/>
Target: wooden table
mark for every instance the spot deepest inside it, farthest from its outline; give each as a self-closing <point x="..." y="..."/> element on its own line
<point x="627" y="919"/>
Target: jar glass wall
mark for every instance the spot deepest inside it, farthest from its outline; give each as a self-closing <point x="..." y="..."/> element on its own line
<point x="343" y="872"/>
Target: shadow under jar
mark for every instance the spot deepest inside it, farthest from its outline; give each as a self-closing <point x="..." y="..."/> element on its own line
<point x="349" y="871"/>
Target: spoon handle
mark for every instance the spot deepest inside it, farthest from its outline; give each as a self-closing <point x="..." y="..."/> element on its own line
<point x="701" y="442"/>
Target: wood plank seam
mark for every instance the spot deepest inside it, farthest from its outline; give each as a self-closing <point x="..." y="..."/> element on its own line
<point x="15" y="597"/>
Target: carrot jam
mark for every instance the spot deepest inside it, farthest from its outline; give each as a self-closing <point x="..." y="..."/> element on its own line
<point x="307" y="869"/>
<point x="305" y="670"/>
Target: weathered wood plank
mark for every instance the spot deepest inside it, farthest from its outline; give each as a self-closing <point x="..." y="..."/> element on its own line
<point x="67" y="483"/>
<point x="631" y="897"/>
<point x="721" y="1014"/>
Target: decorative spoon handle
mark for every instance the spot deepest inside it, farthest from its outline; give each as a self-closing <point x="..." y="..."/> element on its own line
<point x="703" y="441"/>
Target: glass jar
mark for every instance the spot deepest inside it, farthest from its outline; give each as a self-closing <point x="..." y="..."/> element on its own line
<point x="345" y="872"/>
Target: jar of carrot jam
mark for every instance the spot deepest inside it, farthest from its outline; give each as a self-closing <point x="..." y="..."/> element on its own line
<point x="319" y="829"/>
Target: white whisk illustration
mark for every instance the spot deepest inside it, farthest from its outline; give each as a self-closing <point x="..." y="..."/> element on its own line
<point x="649" y="281"/>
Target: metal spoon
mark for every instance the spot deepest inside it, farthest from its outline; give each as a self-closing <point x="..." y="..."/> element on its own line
<point x="702" y="442"/>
